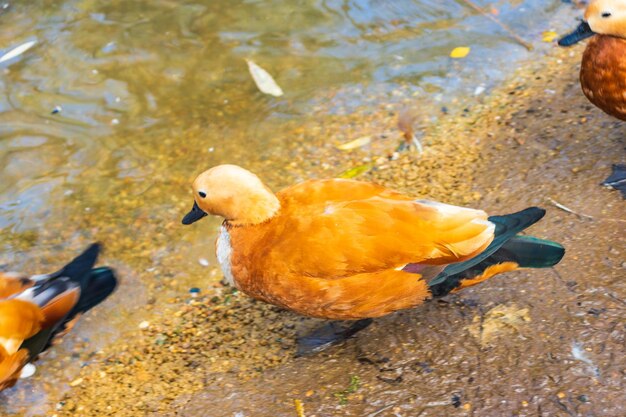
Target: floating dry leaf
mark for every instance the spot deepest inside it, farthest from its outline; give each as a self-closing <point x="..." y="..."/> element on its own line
<point x="549" y="36"/>
<point x="17" y="51"/>
<point x="356" y="143"/>
<point x="460" y="52"/>
<point x="355" y="171"/>
<point x="263" y="80"/>
<point x="498" y="320"/>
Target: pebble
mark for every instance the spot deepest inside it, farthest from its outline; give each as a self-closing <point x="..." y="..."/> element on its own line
<point x="479" y="90"/>
<point x="28" y="370"/>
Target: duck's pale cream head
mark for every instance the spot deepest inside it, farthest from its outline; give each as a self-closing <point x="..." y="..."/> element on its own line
<point x="604" y="17"/>
<point x="607" y="17"/>
<point x="233" y="193"/>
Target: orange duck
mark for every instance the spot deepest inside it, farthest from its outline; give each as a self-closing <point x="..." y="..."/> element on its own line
<point x="348" y="250"/>
<point x="603" y="68"/>
<point x="34" y="311"/>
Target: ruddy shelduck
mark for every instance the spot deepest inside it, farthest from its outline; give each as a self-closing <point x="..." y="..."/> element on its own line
<point x="603" y="69"/>
<point x="344" y="249"/>
<point x="36" y="310"/>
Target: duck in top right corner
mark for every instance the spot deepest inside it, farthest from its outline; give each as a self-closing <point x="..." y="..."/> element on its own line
<point x="603" y="68"/>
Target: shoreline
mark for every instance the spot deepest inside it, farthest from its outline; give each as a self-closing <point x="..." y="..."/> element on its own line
<point x="225" y="350"/>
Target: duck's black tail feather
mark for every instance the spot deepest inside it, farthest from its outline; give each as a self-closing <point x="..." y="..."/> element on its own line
<point x="95" y="286"/>
<point x="508" y="250"/>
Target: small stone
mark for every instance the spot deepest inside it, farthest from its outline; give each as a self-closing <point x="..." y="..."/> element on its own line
<point x="203" y="261"/>
<point x="144" y="325"/>
<point x="28" y="370"/>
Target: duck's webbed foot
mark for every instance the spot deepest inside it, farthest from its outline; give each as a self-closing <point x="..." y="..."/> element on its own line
<point x="329" y="334"/>
<point x="617" y="179"/>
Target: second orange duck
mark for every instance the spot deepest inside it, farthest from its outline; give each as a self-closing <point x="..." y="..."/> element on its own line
<point x="342" y="249"/>
<point x="603" y="68"/>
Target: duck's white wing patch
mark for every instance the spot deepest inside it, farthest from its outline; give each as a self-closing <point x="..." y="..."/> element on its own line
<point x="472" y="241"/>
<point x="224" y="251"/>
<point x="445" y="208"/>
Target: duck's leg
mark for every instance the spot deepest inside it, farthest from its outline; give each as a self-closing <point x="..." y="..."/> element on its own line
<point x="329" y="334"/>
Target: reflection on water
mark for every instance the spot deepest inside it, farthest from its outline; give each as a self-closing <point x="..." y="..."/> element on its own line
<point x="150" y="92"/>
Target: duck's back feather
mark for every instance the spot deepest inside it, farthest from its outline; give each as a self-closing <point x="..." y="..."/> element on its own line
<point x="335" y="228"/>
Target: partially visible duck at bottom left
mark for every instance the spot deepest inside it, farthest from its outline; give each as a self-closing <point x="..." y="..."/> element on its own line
<point x="349" y="250"/>
<point x="36" y="311"/>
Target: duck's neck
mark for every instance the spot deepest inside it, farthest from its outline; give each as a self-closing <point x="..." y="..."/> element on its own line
<point x="256" y="209"/>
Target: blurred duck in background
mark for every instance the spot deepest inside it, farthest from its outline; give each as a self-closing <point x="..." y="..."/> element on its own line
<point x="36" y="311"/>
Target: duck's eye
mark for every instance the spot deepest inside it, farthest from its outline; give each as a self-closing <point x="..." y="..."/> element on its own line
<point x="606" y="14"/>
<point x="202" y="194"/>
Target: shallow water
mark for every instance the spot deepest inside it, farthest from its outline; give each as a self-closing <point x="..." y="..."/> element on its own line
<point x="149" y="93"/>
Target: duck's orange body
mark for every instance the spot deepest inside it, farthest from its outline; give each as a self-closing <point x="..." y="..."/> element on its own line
<point x="342" y="249"/>
<point x="603" y="74"/>
<point x="336" y="249"/>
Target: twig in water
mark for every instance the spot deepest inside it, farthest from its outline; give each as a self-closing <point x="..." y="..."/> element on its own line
<point x="569" y="210"/>
<point x="502" y="25"/>
<point x="380" y="410"/>
<point x="616" y="298"/>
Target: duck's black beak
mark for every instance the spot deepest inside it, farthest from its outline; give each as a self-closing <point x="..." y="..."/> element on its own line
<point x="583" y="31"/>
<point x="194" y="215"/>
